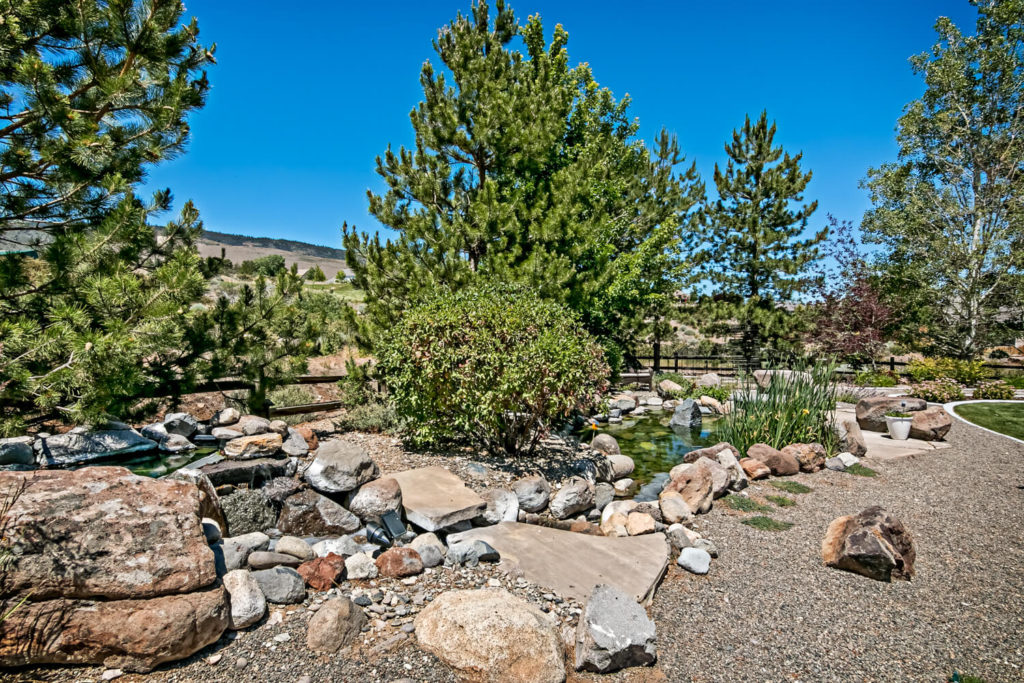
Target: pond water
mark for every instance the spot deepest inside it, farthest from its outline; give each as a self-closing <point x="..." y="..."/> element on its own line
<point x="654" y="446"/>
<point x="156" y="464"/>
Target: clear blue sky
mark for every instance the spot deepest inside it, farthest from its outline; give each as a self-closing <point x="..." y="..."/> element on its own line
<point x="306" y="95"/>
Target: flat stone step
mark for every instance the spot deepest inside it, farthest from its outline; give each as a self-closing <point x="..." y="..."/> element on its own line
<point x="434" y="498"/>
<point x="571" y="564"/>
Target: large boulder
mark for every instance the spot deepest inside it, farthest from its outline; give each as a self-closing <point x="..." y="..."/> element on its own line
<point x="872" y="543"/>
<point x="533" y="493"/>
<point x="764" y="378"/>
<point x="248" y="605"/>
<point x="851" y="438"/>
<point x="247" y="511"/>
<point x="336" y="624"/>
<point x="686" y="415"/>
<point x="209" y="502"/>
<point x="809" y="456"/>
<point x="375" y="498"/>
<point x="781" y="464"/>
<point x="720" y="476"/>
<point x="502" y="506"/>
<point x="340" y="466"/>
<point x="491" y="635"/>
<point x="181" y="424"/>
<point x="930" y="424"/>
<point x="738" y="479"/>
<point x="81" y="445"/>
<point x="310" y="514"/>
<point x="17" y="451"/>
<point x="695" y="486"/>
<point x="669" y="389"/>
<point x="755" y="469"/>
<point x="132" y="635"/>
<point x="871" y="410"/>
<point x="575" y="496"/>
<point x="105" y="533"/>
<point x="710" y="452"/>
<point x="606" y="444"/>
<point x="224" y="417"/>
<point x="255" y="446"/>
<point x="614" y="632"/>
<point x="251" y="472"/>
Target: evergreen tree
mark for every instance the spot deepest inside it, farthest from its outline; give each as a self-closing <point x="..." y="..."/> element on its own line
<point x="525" y="171"/>
<point x="316" y="274"/>
<point x="92" y="298"/>
<point x="950" y="212"/>
<point x="754" y="254"/>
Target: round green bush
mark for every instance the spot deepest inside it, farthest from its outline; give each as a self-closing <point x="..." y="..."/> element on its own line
<point x="997" y="390"/>
<point x="494" y="366"/>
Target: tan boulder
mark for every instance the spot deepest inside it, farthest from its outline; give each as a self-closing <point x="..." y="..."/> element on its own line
<point x="695" y="486"/>
<point x="639" y="523"/>
<point x="709" y="452"/>
<point x="810" y="456"/>
<point x="673" y="507"/>
<point x="781" y="464"/>
<point x="720" y="476"/>
<point x="133" y="635"/>
<point x="872" y="543"/>
<point x="491" y="635"/>
<point x="930" y="424"/>
<point x="755" y="469"/>
<point x="851" y="438"/>
<point x="336" y="624"/>
<point x="255" y="446"/>
<point x="871" y="410"/>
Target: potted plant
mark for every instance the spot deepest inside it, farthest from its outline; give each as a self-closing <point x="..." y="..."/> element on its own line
<point x="898" y="424"/>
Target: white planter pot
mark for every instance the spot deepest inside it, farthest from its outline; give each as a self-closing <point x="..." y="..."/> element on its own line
<point x="899" y="427"/>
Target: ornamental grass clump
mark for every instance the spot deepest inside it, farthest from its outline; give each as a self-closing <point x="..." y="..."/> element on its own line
<point x="495" y="367"/>
<point x="796" y="407"/>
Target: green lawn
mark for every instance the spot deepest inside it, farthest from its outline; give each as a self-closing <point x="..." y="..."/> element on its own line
<point x="1005" y="418"/>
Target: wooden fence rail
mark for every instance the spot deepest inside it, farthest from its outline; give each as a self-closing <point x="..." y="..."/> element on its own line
<point x="730" y="365"/>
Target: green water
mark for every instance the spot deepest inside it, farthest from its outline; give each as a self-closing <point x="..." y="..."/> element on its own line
<point x="654" y="446"/>
<point x="156" y="464"/>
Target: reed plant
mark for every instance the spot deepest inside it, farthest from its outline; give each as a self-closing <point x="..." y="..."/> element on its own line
<point x="795" y="407"/>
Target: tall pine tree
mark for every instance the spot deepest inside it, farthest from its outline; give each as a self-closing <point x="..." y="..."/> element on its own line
<point x="525" y="170"/>
<point x="754" y="256"/>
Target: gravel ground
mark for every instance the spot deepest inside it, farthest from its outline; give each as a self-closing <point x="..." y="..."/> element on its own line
<point x="767" y="611"/>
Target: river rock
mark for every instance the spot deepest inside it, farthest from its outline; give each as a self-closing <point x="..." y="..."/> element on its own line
<point x="323" y="573"/>
<point x="674" y="508"/>
<point x="575" y="496"/>
<point x="255" y="446"/>
<point x="181" y="424"/>
<point x="335" y="625"/>
<point x="614" y="632"/>
<point x="622" y="466"/>
<point x="281" y="585"/>
<point x="809" y="456"/>
<point x="605" y="443"/>
<point x="430" y="548"/>
<point x="294" y="546"/>
<point x="491" y="635"/>
<point x="533" y="493"/>
<point x="694" y="560"/>
<point x="604" y="493"/>
<point x="755" y="469"/>
<point x="624" y="488"/>
<point x="930" y="424"/>
<point x="224" y="434"/>
<point x="251" y="425"/>
<point x="502" y="506"/>
<point x="397" y="563"/>
<point x="340" y="466"/>
<point x="103" y="532"/>
<point x="77" y="447"/>
<point x="310" y="514"/>
<point x="871" y="411"/>
<point x="248" y="605"/>
<point x="375" y="498"/>
<point x="780" y="464"/>
<point x="686" y="415"/>
<point x="224" y="417"/>
<point x="132" y="635"/>
<point x="247" y="511"/>
<point x="623" y="402"/>
<point x="266" y="559"/>
<point x="872" y="543"/>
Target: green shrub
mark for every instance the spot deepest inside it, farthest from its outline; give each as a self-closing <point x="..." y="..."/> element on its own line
<point x="871" y="378"/>
<point x="1015" y="381"/>
<point x="720" y="394"/>
<point x="686" y="383"/>
<point x="495" y="366"/>
<point x="997" y="389"/>
<point x="938" y="391"/>
<point x="355" y="388"/>
<point x="968" y="372"/>
<point x="795" y="408"/>
<point x="371" y="417"/>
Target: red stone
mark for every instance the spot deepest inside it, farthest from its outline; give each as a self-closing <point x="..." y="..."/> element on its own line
<point x="323" y="573"/>
<point x="398" y="562"/>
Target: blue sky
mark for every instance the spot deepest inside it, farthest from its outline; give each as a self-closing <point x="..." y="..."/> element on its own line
<point x="306" y="95"/>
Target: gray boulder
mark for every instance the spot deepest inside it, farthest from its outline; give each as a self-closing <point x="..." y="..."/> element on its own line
<point x="81" y="446"/>
<point x="470" y="553"/>
<point x="502" y="506"/>
<point x="294" y="444"/>
<point x="248" y="511"/>
<point x="605" y="443"/>
<point x="575" y="496"/>
<point x="614" y="632"/>
<point x="155" y="432"/>
<point x="310" y="514"/>
<point x="266" y="559"/>
<point x="533" y="493"/>
<point x="224" y="417"/>
<point x="340" y="467"/>
<point x="176" y="443"/>
<point x="17" y="451"/>
<point x="294" y="546"/>
<point x="430" y="548"/>
<point x="281" y="585"/>
<point x="182" y="424"/>
<point x="604" y="493"/>
<point x="687" y="415"/>
<point x="251" y="425"/>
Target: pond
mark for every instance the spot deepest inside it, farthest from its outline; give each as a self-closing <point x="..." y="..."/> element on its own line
<point x="654" y="446"/>
<point x="156" y="464"/>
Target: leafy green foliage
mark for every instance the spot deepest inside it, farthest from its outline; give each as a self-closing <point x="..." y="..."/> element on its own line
<point x="373" y="417"/>
<point x="720" y="394"/>
<point x="270" y="265"/>
<point x="315" y="274"/>
<point x="496" y="366"/>
<point x="938" y="391"/>
<point x="963" y="371"/>
<point x="950" y="212"/>
<point x="92" y="94"/>
<point x="874" y="378"/>
<point x="795" y="408"/>
<point x="997" y="390"/>
<point x="794" y="487"/>
<point x="766" y="524"/>
<point x="526" y="171"/>
<point x="355" y="387"/>
<point x="1015" y="381"/>
<point x="755" y="257"/>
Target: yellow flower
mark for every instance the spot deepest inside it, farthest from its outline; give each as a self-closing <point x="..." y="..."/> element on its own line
<point x="806" y="412"/>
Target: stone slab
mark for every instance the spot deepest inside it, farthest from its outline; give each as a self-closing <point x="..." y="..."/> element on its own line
<point x="572" y="564"/>
<point x="881" y="448"/>
<point x="434" y="498"/>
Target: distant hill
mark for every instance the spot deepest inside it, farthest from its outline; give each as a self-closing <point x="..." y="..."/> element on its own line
<point x="240" y="248"/>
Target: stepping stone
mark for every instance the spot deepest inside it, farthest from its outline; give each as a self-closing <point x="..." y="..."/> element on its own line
<point x="572" y="564"/>
<point x="434" y="498"/>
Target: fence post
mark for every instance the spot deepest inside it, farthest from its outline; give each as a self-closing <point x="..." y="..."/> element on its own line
<point x="676" y="366"/>
<point x="892" y="364"/>
<point x="657" y="356"/>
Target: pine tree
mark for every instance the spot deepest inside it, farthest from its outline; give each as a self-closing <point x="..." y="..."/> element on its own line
<point x="92" y="296"/>
<point x="525" y="170"/>
<point x="754" y="255"/>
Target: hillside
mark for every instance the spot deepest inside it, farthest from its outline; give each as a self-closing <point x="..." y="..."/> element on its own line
<point x="240" y="248"/>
